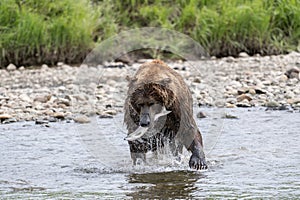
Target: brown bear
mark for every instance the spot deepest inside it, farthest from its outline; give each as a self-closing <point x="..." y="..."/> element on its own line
<point x="159" y="110"/>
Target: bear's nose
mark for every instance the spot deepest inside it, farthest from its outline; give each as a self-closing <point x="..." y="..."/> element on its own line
<point x="145" y="120"/>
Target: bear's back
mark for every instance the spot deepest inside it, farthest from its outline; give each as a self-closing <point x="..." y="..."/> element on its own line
<point x="158" y="72"/>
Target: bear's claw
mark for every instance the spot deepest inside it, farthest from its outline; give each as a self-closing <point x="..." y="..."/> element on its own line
<point x="197" y="163"/>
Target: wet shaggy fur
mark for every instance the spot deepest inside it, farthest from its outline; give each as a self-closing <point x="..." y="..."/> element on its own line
<point x="158" y="82"/>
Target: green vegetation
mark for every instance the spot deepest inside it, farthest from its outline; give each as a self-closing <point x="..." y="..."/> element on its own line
<point x="223" y="27"/>
<point x="35" y="32"/>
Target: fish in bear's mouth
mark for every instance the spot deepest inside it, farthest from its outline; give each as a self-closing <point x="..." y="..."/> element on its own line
<point x="146" y="132"/>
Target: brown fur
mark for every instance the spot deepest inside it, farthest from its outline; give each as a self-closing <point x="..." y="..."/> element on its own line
<point x="155" y="81"/>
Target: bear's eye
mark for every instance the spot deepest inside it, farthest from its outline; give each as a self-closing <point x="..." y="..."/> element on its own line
<point x="140" y="105"/>
<point x="151" y="104"/>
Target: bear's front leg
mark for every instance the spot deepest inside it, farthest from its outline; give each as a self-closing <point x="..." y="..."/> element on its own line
<point x="138" y="152"/>
<point x="138" y="157"/>
<point x="197" y="160"/>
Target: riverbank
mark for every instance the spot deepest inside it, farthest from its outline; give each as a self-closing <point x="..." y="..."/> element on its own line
<point x="48" y="94"/>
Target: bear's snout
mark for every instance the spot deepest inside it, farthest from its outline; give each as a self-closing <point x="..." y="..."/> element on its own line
<point x="145" y="120"/>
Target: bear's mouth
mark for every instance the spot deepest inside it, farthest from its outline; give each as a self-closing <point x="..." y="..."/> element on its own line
<point x="146" y="132"/>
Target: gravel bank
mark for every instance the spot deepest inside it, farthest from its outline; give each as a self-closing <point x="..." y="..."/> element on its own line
<point x="74" y="93"/>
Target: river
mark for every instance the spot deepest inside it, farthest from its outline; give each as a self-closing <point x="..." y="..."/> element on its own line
<point x="256" y="155"/>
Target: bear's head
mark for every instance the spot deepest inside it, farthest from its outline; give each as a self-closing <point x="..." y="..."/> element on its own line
<point x="150" y="100"/>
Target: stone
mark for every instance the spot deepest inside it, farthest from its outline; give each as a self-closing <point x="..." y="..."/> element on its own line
<point x="25" y="97"/>
<point x="292" y="73"/>
<point x="267" y="82"/>
<point x="44" y="67"/>
<point x="60" y="64"/>
<point x="271" y="104"/>
<point x="81" y="119"/>
<point x="243" y="55"/>
<point x="114" y="65"/>
<point x="242" y="90"/>
<point x="230" y="105"/>
<point x="41" y="121"/>
<point x="201" y="115"/>
<point x="62" y="101"/>
<point x="11" y="67"/>
<point x="81" y="97"/>
<point x="103" y="116"/>
<point x="24" y="94"/>
<point x="252" y="91"/>
<point x="10" y="120"/>
<point x="52" y="119"/>
<point x="233" y="92"/>
<point x="283" y="78"/>
<point x="229" y="116"/>
<point x="197" y="80"/>
<point x="66" y="67"/>
<point x="110" y="112"/>
<point x="58" y="115"/>
<point x="242" y="97"/>
<point x="258" y="90"/>
<point x="5" y="116"/>
<point x="43" y="98"/>
<point x="293" y="101"/>
<point x="229" y="59"/>
<point x="245" y="104"/>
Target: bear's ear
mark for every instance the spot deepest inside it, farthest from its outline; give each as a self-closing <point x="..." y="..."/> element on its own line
<point x="130" y="79"/>
<point x="165" y="81"/>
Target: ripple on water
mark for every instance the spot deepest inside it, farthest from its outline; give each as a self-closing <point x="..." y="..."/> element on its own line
<point x="254" y="156"/>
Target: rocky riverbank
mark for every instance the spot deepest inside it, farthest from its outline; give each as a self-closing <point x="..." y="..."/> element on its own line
<point x="44" y="94"/>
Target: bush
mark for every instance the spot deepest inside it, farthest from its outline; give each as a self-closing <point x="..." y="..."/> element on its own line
<point x="223" y="27"/>
<point x="35" y="32"/>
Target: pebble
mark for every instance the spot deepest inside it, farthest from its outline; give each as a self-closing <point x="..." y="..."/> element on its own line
<point x="60" y="64"/>
<point x="5" y="116"/>
<point x="229" y="116"/>
<point x="201" y="115"/>
<point x="272" y="104"/>
<point x="243" y="55"/>
<point x="252" y="91"/>
<point x="258" y="91"/>
<point x="11" y="67"/>
<point x="25" y="97"/>
<point x="58" y="115"/>
<point x="81" y="119"/>
<point x="44" y="67"/>
<point x="293" y="101"/>
<point x="230" y="105"/>
<point x="57" y="93"/>
<point x="10" y="120"/>
<point x="103" y="116"/>
<point x="292" y="73"/>
<point x="197" y="80"/>
<point x="41" y="121"/>
<point x="244" y="104"/>
<point x="243" y="97"/>
<point x="110" y="112"/>
<point x="283" y="78"/>
<point x="43" y="98"/>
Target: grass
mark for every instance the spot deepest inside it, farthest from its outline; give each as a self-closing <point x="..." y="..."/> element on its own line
<point x="35" y="32"/>
<point x="224" y="27"/>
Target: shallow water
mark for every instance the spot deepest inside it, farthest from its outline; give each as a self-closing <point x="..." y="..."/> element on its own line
<point x="254" y="156"/>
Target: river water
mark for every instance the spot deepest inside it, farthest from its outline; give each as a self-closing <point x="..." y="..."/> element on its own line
<point x="256" y="155"/>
